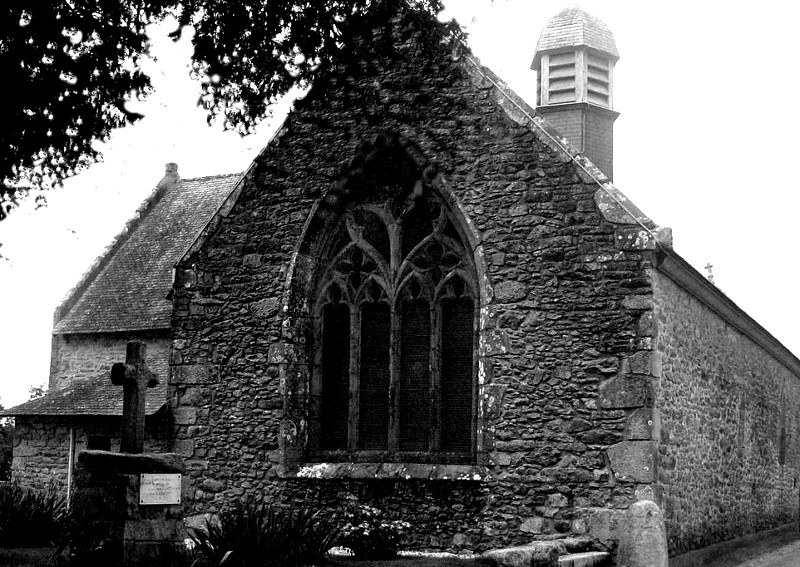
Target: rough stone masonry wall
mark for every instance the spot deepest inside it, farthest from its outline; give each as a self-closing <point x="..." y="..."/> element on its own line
<point x="730" y="436"/>
<point x="90" y="355"/>
<point x="565" y="290"/>
<point x="41" y="445"/>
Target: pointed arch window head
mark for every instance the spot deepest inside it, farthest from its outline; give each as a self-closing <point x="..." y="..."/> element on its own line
<point x="395" y="311"/>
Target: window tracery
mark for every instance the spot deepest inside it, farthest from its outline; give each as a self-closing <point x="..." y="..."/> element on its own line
<point x="395" y="319"/>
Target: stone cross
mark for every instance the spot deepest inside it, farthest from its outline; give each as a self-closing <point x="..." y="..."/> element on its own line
<point x="134" y="377"/>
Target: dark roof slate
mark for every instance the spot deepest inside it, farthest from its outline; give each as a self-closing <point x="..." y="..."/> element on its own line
<point x="126" y="288"/>
<point x="91" y="396"/>
<point x="572" y="27"/>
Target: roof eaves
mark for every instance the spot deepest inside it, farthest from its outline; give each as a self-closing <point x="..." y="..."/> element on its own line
<point x="684" y="275"/>
<point x="20" y="411"/>
<point x="155" y="327"/>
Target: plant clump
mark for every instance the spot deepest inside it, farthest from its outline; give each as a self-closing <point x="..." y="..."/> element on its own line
<point x="254" y="534"/>
<point x="370" y="535"/>
<point x="31" y="517"/>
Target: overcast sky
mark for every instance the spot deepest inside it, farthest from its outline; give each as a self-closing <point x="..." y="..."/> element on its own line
<point x="705" y="144"/>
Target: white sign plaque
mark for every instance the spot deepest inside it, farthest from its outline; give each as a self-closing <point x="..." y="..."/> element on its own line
<point x="160" y="489"/>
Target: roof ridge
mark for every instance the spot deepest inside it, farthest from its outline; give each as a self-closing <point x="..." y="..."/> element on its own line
<point x="215" y="176"/>
<point x="102" y="260"/>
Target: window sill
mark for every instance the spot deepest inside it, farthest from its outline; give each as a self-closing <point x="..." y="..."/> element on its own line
<point x="397" y="471"/>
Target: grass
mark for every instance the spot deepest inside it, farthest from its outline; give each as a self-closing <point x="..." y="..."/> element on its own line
<point x="27" y="556"/>
<point x="412" y="561"/>
<point x="43" y="557"/>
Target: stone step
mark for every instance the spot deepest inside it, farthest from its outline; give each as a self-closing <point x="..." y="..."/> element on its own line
<point x="585" y="559"/>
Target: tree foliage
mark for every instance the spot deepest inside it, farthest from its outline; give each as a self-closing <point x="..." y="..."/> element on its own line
<point x="36" y="392"/>
<point x="6" y="447"/>
<point x="70" y="66"/>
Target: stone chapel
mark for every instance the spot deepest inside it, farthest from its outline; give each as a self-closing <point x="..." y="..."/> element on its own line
<point x="426" y="295"/>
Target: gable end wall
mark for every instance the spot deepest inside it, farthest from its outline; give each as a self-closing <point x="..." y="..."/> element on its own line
<point x="565" y="291"/>
<point x="89" y="355"/>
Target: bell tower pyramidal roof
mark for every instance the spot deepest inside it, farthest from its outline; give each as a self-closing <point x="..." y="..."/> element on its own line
<point x="572" y="27"/>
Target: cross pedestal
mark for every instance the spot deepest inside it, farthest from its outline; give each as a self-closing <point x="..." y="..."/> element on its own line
<point x="134" y="377"/>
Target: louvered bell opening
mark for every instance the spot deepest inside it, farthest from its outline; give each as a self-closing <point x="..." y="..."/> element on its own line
<point x="539" y="93"/>
<point x="561" y="78"/>
<point x="335" y="376"/>
<point x="598" y="73"/>
<point x="373" y="411"/>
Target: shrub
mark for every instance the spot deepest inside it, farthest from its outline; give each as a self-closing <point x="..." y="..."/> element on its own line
<point x="369" y="535"/>
<point x="31" y="517"/>
<point x="253" y="534"/>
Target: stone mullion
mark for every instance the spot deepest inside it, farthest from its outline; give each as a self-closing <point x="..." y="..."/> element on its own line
<point x="394" y="381"/>
<point x="435" y="362"/>
<point x="355" y="368"/>
<point x="478" y="408"/>
<point x="395" y="260"/>
<point x="315" y="389"/>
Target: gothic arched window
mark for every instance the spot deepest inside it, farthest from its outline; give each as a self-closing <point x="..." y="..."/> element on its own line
<point x="395" y="318"/>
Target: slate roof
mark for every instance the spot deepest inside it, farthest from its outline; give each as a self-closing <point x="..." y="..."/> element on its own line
<point x="572" y="27"/>
<point x="126" y="288"/>
<point x="95" y="396"/>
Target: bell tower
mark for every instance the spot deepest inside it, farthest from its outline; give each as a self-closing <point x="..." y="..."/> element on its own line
<point x="575" y="59"/>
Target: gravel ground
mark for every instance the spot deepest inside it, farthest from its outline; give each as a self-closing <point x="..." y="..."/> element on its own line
<point x="779" y="551"/>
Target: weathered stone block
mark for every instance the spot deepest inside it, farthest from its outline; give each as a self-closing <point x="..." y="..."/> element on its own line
<point x="265" y="308"/>
<point x="643" y="424"/>
<point x="643" y="362"/>
<point x="585" y="559"/>
<point x="494" y="396"/>
<point x="508" y="291"/>
<point x="599" y="437"/>
<point x="494" y="342"/>
<point x="635" y="239"/>
<point x="184" y="447"/>
<point x="281" y="353"/>
<point x="252" y="260"/>
<point x="643" y="543"/>
<point x="626" y="391"/>
<point x="604" y="524"/>
<point x="500" y="458"/>
<point x="212" y="485"/>
<point x="646" y="326"/>
<point x="557" y="501"/>
<point x="24" y="450"/>
<point x="539" y="554"/>
<point x="194" y="374"/>
<point x="611" y="208"/>
<point x="161" y="529"/>
<point x="532" y="525"/>
<point x="638" y="302"/>
<point x="185" y="415"/>
<point x="577" y="425"/>
<point x="633" y="461"/>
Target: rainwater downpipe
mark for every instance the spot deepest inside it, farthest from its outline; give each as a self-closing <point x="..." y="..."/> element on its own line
<point x="70" y="464"/>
